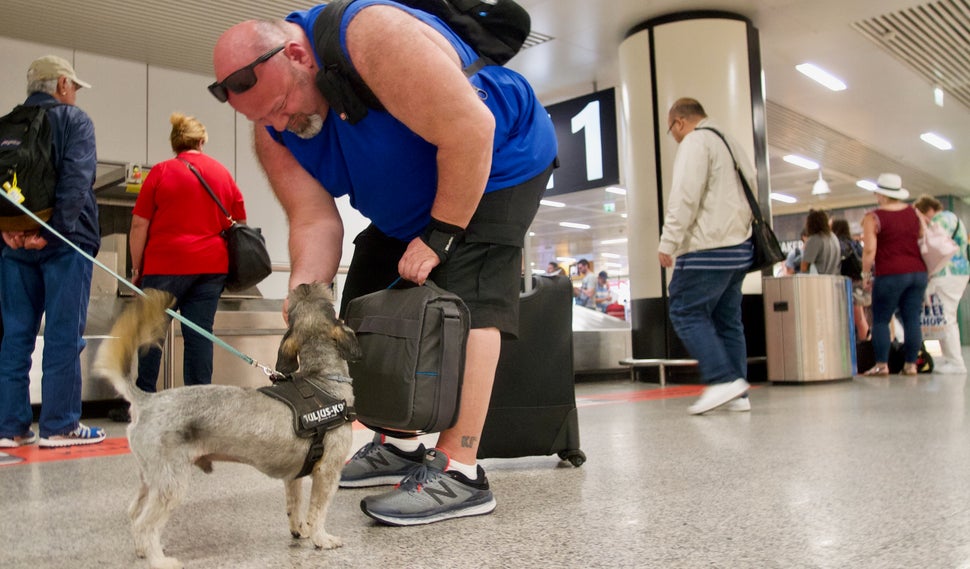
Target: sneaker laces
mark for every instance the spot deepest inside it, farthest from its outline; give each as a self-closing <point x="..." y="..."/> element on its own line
<point x="365" y="450"/>
<point x="418" y="477"/>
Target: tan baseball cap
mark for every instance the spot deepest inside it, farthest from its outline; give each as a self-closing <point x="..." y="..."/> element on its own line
<point x="53" y="67"/>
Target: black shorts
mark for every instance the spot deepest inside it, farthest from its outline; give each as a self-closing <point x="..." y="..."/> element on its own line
<point x="484" y="270"/>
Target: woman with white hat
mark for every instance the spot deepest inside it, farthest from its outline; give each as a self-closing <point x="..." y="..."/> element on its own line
<point x="890" y="236"/>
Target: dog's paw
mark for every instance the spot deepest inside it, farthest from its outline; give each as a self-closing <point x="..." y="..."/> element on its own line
<point x="300" y="530"/>
<point x="327" y="541"/>
<point x="166" y="563"/>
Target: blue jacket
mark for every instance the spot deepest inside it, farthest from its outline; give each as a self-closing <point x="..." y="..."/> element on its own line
<point x="75" y="213"/>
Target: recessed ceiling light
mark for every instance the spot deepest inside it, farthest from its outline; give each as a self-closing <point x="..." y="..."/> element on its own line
<point x="936" y="140"/>
<point x="572" y="225"/>
<point x="868" y="185"/>
<point x="938" y="96"/>
<point x="801" y="161"/>
<point x="613" y="241"/>
<point x="783" y="198"/>
<point x="616" y="190"/>
<point x="821" y="76"/>
<point x="551" y="203"/>
<point x="610" y="255"/>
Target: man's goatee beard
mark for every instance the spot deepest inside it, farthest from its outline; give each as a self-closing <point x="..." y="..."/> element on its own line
<point x="308" y="127"/>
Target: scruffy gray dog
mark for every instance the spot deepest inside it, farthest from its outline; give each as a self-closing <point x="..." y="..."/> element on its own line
<point x="174" y="429"/>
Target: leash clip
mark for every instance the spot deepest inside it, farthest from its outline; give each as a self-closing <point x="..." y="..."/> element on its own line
<point x="271" y="373"/>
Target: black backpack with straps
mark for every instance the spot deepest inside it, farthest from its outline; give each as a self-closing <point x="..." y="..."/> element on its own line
<point x="495" y="29"/>
<point x="26" y="163"/>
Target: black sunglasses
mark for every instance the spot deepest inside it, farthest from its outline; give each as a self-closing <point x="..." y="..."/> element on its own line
<point x="242" y="79"/>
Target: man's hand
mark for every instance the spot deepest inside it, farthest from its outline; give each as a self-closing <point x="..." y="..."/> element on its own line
<point x="417" y="262"/>
<point x="14" y="239"/>
<point x="34" y="241"/>
<point x="666" y="260"/>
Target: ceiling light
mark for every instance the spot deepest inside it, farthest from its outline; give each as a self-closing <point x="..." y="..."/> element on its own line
<point x="821" y="76"/>
<point x="938" y="96"/>
<point x="612" y="265"/>
<point x="610" y="255"/>
<point x="573" y="225"/>
<point x="785" y="198"/>
<point x="936" y="140"/>
<point x="801" y="161"/>
<point x="616" y="190"/>
<point x="569" y="260"/>
<point x="868" y="185"/>
<point x="551" y="203"/>
<point x="613" y="241"/>
<point x="821" y="187"/>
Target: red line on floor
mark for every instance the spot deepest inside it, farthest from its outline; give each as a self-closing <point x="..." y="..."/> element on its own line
<point x="34" y="454"/>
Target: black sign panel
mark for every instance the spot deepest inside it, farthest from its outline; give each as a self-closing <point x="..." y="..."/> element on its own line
<point x="586" y="131"/>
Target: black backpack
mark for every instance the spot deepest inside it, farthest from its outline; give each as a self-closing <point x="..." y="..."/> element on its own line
<point x="26" y="162"/>
<point x="851" y="263"/>
<point x="496" y="29"/>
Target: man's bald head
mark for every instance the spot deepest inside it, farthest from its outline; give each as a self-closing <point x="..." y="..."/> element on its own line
<point x="242" y="43"/>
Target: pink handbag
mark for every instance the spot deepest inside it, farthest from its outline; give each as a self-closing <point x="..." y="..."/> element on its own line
<point x="936" y="246"/>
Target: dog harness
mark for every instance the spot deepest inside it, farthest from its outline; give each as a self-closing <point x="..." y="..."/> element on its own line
<point x="314" y="412"/>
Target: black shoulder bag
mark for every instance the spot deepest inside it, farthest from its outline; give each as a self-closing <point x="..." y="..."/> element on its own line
<point x="767" y="251"/>
<point x="249" y="261"/>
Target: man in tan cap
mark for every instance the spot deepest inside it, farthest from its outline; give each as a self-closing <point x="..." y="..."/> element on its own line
<point x="40" y="275"/>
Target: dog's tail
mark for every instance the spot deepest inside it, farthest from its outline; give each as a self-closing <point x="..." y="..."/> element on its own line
<point x="142" y="323"/>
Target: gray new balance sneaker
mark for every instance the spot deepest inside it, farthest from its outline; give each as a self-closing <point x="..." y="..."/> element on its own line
<point x="430" y="494"/>
<point x="378" y="464"/>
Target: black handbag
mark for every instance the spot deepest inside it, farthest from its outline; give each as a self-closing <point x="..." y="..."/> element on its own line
<point x="413" y="344"/>
<point x="249" y="260"/>
<point x="767" y="251"/>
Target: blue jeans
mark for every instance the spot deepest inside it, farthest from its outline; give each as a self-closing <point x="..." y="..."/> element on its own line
<point x="54" y="282"/>
<point x="905" y="292"/>
<point x="197" y="298"/>
<point x="705" y="309"/>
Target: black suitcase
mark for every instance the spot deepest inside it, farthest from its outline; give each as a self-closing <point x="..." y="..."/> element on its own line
<point x="533" y="406"/>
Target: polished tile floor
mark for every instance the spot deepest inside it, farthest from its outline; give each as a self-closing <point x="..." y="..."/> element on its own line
<point x="867" y="473"/>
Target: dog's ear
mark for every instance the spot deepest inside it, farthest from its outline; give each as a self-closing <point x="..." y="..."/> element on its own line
<point x="287" y="357"/>
<point x="346" y="341"/>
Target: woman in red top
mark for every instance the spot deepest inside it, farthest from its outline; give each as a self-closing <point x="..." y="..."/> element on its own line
<point x="177" y="246"/>
<point x="890" y="246"/>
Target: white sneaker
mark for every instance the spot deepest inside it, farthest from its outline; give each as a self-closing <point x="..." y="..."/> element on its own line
<point x="739" y="404"/>
<point x="718" y="394"/>
<point x="950" y="369"/>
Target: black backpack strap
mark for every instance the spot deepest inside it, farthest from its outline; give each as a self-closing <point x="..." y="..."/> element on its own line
<point x="341" y="85"/>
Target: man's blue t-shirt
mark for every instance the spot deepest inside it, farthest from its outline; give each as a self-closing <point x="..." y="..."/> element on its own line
<point x="389" y="172"/>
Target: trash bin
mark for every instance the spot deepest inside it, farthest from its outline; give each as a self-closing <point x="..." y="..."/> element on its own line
<point x="808" y="328"/>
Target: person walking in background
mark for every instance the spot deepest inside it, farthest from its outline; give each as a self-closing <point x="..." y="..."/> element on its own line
<point x="553" y="269"/>
<point x="890" y="248"/>
<point x="603" y="297"/>
<point x="450" y="178"/>
<point x="45" y="277"/>
<point x="793" y="262"/>
<point x="586" y="292"/>
<point x="707" y="228"/>
<point x="949" y="283"/>
<point x="850" y="251"/>
<point x="822" y="252"/>
<point x="177" y="245"/>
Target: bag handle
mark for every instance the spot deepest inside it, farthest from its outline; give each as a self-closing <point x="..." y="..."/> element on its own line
<point x="752" y="203"/>
<point x="212" y="194"/>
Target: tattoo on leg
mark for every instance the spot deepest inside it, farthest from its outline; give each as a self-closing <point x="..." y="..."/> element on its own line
<point x="468" y="442"/>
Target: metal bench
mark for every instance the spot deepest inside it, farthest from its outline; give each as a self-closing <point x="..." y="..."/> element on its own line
<point x="660" y="363"/>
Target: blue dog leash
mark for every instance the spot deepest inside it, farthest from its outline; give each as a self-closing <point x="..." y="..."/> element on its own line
<point x="269" y="371"/>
